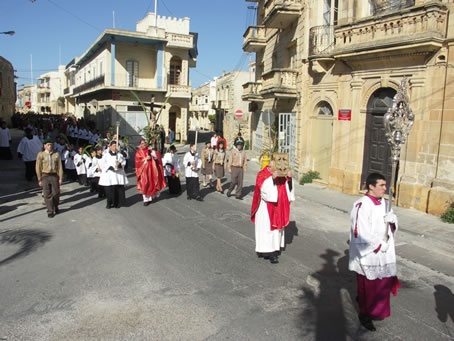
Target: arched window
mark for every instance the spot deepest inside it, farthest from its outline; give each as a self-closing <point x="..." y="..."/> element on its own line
<point x="175" y="71"/>
<point x="324" y="109"/>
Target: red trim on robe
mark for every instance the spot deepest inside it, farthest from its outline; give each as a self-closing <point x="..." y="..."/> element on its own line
<point x="376" y="201"/>
<point x="279" y="213"/>
<point x="356" y="220"/>
<point x="377" y="249"/>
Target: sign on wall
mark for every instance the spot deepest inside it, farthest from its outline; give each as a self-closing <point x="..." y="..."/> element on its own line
<point x="345" y="115"/>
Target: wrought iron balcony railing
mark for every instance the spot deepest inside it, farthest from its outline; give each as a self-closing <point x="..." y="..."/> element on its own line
<point x="89" y="85"/>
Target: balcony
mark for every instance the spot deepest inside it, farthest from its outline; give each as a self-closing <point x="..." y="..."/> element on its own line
<point x="251" y="91"/>
<point x="178" y="91"/>
<point x="254" y="39"/>
<point x="177" y="40"/>
<point x="414" y="29"/>
<point x="281" y="13"/>
<point x="279" y="83"/>
<point x="97" y="82"/>
<point x="321" y="41"/>
<point x="220" y="104"/>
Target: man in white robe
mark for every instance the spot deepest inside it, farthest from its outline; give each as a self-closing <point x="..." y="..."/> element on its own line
<point x="372" y="253"/>
<point x="81" y="169"/>
<point x="113" y="176"/>
<point x="27" y="150"/>
<point x="192" y="164"/>
<point x="5" y="142"/>
<point x="271" y="211"/>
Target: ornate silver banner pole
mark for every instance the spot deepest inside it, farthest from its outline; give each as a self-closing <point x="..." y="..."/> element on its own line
<point x="398" y="121"/>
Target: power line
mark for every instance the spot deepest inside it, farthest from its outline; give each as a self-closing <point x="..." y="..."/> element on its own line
<point x="162" y="1"/>
<point x="200" y="73"/>
<point x="74" y="15"/>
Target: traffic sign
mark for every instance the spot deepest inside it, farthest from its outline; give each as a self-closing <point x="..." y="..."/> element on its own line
<point x="238" y="114"/>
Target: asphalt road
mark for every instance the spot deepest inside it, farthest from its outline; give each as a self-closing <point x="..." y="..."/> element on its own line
<point x="187" y="270"/>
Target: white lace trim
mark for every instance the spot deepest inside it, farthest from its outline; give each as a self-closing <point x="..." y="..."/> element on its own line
<point x="379" y="271"/>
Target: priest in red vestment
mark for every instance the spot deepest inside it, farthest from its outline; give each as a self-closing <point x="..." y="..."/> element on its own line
<point x="149" y="172"/>
<point x="271" y="211"/>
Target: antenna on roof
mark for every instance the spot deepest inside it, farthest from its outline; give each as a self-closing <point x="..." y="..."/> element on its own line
<point x="156" y="13"/>
<point x="113" y="19"/>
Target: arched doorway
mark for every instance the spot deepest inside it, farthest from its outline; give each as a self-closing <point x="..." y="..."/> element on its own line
<point x="377" y="153"/>
<point x="322" y="139"/>
<point x="175" y="121"/>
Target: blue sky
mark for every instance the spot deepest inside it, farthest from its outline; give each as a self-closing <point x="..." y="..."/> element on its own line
<point x="45" y="27"/>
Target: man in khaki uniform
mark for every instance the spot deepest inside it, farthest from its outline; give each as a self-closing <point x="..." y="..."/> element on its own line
<point x="237" y="166"/>
<point x="49" y="173"/>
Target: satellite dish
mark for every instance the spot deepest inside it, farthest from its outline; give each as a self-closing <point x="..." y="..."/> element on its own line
<point x="268" y="117"/>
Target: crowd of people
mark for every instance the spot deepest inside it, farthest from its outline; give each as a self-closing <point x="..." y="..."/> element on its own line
<point x="78" y="153"/>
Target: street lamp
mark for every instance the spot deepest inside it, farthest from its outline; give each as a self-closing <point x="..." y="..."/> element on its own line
<point x="10" y="33"/>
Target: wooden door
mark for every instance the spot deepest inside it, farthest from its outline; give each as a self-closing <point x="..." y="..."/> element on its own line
<point x="377" y="154"/>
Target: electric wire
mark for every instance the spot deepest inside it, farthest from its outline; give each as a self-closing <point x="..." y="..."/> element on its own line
<point x="75" y="16"/>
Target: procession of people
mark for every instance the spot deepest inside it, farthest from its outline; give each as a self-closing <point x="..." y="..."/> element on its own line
<point x="99" y="163"/>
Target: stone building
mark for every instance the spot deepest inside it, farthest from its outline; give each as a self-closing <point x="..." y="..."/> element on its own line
<point x="351" y="56"/>
<point x="201" y="108"/>
<point x="7" y="90"/>
<point x="153" y="61"/>
<point x="50" y="92"/>
<point x="26" y="96"/>
<point x="229" y="89"/>
<point x="278" y="43"/>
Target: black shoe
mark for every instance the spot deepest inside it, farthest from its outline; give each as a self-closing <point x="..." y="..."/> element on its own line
<point x="146" y="203"/>
<point x="50" y="215"/>
<point x="274" y="260"/>
<point x="189" y="198"/>
<point x="199" y="199"/>
<point x="56" y="210"/>
<point x="366" y="322"/>
<point x="239" y="198"/>
<point x="229" y="194"/>
<point x="108" y="207"/>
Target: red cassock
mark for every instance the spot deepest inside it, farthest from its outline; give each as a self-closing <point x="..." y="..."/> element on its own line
<point x="279" y="212"/>
<point x="150" y="174"/>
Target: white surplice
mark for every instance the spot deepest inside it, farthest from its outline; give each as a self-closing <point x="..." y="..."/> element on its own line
<point x="172" y="159"/>
<point x="29" y="148"/>
<point x="110" y="174"/>
<point x="267" y="240"/>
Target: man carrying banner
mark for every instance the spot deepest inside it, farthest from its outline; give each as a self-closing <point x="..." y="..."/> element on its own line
<point x="271" y="211"/>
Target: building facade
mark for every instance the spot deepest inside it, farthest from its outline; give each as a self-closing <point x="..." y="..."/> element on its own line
<point x="229" y="89"/>
<point x="352" y="55"/>
<point x="49" y="92"/>
<point x="274" y="95"/>
<point x="152" y="62"/>
<point x="7" y="90"/>
<point x="200" y="108"/>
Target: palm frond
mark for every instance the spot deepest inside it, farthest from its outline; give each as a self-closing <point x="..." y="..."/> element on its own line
<point x="142" y="105"/>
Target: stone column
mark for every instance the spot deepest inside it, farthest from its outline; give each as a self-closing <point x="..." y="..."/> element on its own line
<point x="351" y="141"/>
